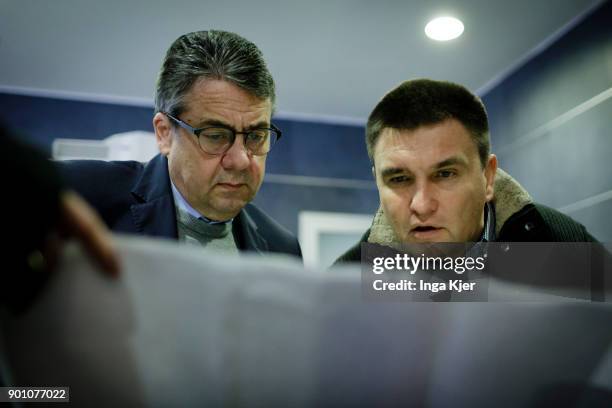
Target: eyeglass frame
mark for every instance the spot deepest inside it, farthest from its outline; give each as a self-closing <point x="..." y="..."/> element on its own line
<point x="196" y="132"/>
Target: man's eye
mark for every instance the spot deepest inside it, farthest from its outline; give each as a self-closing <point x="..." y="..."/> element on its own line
<point x="398" y="179"/>
<point x="258" y="135"/>
<point x="216" y="135"/>
<point x="446" y="173"/>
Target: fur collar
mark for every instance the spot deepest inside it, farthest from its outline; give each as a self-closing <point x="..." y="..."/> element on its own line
<point x="510" y="197"/>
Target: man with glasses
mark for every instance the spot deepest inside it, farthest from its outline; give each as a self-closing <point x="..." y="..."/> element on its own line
<point x="213" y="108"/>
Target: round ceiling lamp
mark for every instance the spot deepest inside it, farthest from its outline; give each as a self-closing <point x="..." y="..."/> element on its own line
<point x="444" y="28"/>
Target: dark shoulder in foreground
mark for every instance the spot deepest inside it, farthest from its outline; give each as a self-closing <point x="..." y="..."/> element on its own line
<point x="278" y="238"/>
<point x="97" y="177"/>
<point x="105" y="185"/>
<point x="539" y="223"/>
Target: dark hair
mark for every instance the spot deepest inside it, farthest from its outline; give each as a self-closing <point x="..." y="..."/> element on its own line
<point x="426" y="102"/>
<point x="210" y="54"/>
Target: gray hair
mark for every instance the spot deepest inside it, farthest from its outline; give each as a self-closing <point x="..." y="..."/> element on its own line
<point x="215" y="55"/>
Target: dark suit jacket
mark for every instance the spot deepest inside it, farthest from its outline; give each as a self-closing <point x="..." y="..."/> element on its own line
<point x="136" y="198"/>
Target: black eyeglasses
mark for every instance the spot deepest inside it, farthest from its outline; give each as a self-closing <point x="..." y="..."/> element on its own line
<point x="217" y="140"/>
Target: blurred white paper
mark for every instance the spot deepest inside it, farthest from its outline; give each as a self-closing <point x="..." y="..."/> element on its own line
<point x="184" y="327"/>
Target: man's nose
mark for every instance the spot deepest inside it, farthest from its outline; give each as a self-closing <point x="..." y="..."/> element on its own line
<point x="237" y="157"/>
<point x="424" y="202"/>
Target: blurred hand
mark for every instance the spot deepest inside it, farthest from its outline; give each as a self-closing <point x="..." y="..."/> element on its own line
<point x="80" y="222"/>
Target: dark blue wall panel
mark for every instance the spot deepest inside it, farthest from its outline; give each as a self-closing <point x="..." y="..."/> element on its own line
<point x="562" y="101"/>
<point x="41" y="120"/>
<point x="321" y="150"/>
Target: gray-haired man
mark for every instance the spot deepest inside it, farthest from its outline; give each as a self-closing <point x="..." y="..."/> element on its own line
<point x="213" y="108"/>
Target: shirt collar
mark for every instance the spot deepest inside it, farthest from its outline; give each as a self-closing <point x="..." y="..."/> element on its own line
<point x="488" y="232"/>
<point x="183" y="205"/>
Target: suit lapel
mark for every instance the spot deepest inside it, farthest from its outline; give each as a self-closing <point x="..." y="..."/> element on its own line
<point x="156" y="218"/>
<point x="246" y="235"/>
<point x="155" y="214"/>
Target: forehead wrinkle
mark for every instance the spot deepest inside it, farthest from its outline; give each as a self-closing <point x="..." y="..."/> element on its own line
<point x="416" y="148"/>
<point x="206" y="123"/>
<point x="222" y="102"/>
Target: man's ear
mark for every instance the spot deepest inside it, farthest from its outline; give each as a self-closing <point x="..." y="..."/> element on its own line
<point x="163" y="132"/>
<point x="490" y="171"/>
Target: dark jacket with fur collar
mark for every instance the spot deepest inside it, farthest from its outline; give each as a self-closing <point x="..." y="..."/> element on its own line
<point x="517" y="219"/>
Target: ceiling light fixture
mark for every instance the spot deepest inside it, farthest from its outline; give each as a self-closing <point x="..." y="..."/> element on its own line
<point x="444" y="28"/>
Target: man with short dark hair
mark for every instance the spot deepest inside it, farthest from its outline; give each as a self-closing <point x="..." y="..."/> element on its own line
<point x="213" y="106"/>
<point x="428" y="142"/>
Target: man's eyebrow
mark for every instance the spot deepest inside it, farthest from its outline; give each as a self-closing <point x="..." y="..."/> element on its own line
<point x="451" y="161"/>
<point x="391" y="171"/>
<point x="259" y="125"/>
<point x="215" y="122"/>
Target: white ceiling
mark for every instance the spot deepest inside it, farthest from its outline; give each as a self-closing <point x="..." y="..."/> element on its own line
<point x="331" y="59"/>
